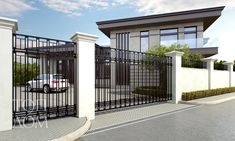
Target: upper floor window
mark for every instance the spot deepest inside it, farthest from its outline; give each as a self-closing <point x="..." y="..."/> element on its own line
<point x="144" y="41"/>
<point x="168" y="36"/>
<point x="122" y="40"/>
<point x="190" y="36"/>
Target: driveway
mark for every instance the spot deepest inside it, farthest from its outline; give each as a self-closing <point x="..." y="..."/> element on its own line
<point x="205" y="123"/>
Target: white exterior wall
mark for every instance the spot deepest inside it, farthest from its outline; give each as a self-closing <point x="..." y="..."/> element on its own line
<point x="220" y="79"/>
<point x="194" y="79"/>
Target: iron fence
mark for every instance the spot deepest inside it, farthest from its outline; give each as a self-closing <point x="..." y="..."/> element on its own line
<point x="189" y="63"/>
<point x="43" y="78"/>
<point x="127" y="78"/>
<point x="218" y="65"/>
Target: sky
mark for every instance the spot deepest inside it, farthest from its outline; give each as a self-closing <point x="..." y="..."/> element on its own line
<point x="60" y="19"/>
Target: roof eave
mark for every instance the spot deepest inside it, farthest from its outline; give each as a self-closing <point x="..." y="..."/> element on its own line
<point x="208" y="16"/>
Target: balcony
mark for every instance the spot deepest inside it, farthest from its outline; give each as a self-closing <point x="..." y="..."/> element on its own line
<point x="205" y="46"/>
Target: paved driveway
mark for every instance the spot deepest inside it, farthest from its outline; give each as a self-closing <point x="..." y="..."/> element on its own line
<point x="205" y="123"/>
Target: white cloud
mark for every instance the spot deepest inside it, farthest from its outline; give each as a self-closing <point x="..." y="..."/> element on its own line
<point x="162" y="6"/>
<point x="76" y="7"/>
<point x="14" y="7"/>
<point x="73" y="7"/>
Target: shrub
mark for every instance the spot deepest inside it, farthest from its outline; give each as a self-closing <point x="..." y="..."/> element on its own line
<point x="206" y="93"/>
<point x="154" y="91"/>
<point x="24" y="72"/>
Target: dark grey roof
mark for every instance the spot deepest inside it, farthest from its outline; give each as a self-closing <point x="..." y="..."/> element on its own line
<point x="205" y="51"/>
<point x="207" y="15"/>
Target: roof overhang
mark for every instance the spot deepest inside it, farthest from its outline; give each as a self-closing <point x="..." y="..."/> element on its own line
<point x="206" y="52"/>
<point x="207" y="15"/>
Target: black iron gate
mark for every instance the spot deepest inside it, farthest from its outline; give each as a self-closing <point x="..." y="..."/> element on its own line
<point x="127" y="78"/>
<point x="43" y="78"/>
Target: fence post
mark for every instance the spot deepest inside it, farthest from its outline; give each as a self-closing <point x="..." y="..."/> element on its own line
<point x="176" y="75"/>
<point x="230" y="69"/>
<point x="210" y="68"/>
<point x="7" y="28"/>
<point x="85" y="74"/>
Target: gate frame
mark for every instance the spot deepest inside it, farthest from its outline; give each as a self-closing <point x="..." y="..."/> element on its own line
<point x="45" y="52"/>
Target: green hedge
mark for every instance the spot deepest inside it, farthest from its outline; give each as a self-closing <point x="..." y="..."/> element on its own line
<point x="206" y="93"/>
<point x="154" y="91"/>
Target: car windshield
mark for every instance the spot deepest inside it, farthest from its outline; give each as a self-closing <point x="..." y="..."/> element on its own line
<point x="58" y="77"/>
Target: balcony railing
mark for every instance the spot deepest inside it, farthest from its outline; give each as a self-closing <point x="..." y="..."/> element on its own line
<point x="192" y="43"/>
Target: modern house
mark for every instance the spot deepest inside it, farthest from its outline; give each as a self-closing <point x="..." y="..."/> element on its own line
<point x="142" y="33"/>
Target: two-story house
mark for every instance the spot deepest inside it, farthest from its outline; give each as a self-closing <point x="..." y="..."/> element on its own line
<point x="141" y="33"/>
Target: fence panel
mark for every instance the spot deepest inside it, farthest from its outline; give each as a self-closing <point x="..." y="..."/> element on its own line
<point x="127" y="78"/>
<point x="43" y="78"/>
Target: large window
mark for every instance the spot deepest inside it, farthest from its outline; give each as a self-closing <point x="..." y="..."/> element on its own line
<point x="168" y="36"/>
<point x="144" y="41"/>
<point x="190" y="36"/>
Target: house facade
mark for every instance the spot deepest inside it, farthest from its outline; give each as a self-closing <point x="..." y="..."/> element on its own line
<point x="142" y="33"/>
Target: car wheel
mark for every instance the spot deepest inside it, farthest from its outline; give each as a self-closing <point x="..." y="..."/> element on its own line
<point x="46" y="89"/>
<point x="28" y="88"/>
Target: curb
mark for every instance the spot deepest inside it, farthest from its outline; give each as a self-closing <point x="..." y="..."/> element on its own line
<point x="76" y="134"/>
<point x="208" y="102"/>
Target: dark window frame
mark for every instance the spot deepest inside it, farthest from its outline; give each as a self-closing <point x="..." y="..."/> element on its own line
<point x="144" y="36"/>
<point x="168" y="34"/>
<point x="191" y="32"/>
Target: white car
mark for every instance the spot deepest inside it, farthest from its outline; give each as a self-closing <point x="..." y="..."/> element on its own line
<point x="48" y="83"/>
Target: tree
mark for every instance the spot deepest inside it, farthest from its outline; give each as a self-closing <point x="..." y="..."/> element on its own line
<point x="161" y="50"/>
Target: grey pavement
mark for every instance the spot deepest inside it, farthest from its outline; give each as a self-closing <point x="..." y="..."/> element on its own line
<point x="134" y="113"/>
<point x="201" y="123"/>
<point x="34" y="132"/>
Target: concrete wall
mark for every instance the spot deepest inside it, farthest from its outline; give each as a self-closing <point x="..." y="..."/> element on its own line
<point x="154" y="34"/>
<point x="194" y="79"/>
<point x="220" y="79"/>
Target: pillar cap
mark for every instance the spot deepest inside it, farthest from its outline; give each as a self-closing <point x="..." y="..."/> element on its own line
<point x="208" y="59"/>
<point x="9" y="23"/>
<point x="79" y="36"/>
<point x="228" y="63"/>
<point x="174" y="53"/>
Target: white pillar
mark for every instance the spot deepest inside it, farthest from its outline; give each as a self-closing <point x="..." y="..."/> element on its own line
<point x="176" y="75"/>
<point x="210" y="68"/>
<point x="230" y="69"/>
<point x="85" y="74"/>
<point x="7" y="27"/>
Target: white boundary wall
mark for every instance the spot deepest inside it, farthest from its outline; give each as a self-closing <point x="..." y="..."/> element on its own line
<point x="220" y="79"/>
<point x="194" y="79"/>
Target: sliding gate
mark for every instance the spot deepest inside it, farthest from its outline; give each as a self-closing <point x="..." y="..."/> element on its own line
<point x="127" y="78"/>
<point x="43" y="78"/>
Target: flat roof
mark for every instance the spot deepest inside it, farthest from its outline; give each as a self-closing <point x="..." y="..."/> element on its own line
<point x="207" y="15"/>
